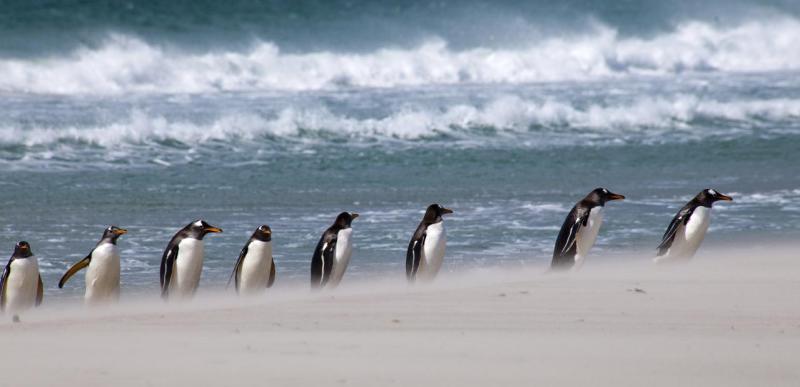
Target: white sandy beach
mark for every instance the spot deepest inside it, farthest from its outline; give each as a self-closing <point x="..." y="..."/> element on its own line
<point x="726" y="319"/>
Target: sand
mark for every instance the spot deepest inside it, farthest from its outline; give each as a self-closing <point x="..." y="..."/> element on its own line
<point x="728" y="318"/>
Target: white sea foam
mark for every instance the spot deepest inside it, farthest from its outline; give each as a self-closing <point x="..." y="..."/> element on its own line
<point x="128" y="64"/>
<point x="510" y="117"/>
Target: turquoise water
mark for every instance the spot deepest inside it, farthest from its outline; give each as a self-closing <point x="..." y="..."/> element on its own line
<point x="149" y="118"/>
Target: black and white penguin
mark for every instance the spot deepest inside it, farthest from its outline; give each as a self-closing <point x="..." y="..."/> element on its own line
<point x="427" y="246"/>
<point x="21" y="286"/>
<point x="333" y="252"/>
<point x="688" y="228"/>
<point x="580" y="228"/>
<point x="255" y="269"/>
<point x="182" y="262"/>
<point x="102" y="277"/>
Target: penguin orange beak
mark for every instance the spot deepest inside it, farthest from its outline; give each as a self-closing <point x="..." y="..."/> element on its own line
<point x="447" y="211"/>
<point x="353" y="215"/>
<point x="120" y="231"/>
<point x="213" y="229"/>
<point x="725" y="198"/>
<point x="614" y="196"/>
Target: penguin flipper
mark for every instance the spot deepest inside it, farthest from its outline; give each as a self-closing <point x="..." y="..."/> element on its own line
<point x="565" y="248"/>
<point x="328" y="257"/>
<point x="4" y="283"/>
<point x="322" y="261"/>
<point x="414" y="253"/>
<point x="74" y="269"/>
<point x="681" y="218"/>
<point x="238" y="267"/>
<point x="39" y="291"/>
<point x="167" y="263"/>
<point x="318" y="264"/>
<point x="271" y="279"/>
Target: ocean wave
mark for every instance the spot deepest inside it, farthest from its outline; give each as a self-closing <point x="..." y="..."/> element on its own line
<point x="546" y="122"/>
<point x="126" y="63"/>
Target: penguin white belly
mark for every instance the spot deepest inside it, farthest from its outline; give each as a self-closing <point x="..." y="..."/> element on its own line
<point x="341" y="257"/>
<point x="256" y="266"/>
<point x="188" y="268"/>
<point x="689" y="237"/>
<point x="23" y="282"/>
<point x="432" y="252"/>
<point x="587" y="235"/>
<point x="102" y="275"/>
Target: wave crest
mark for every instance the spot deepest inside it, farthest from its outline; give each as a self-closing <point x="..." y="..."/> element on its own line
<point x="128" y="64"/>
<point x="501" y="118"/>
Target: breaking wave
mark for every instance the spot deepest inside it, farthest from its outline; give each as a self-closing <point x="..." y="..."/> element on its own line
<point x="125" y="63"/>
<point x="648" y="119"/>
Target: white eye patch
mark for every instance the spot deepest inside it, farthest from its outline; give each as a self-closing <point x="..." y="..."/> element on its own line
<point x="199" y="223"/>
<point x="711" y="191"/>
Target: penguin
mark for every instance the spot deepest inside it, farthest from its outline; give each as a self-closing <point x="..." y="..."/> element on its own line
<point x="580" y="228"/>
<point x="688" y="228"/>
<point x="182" y="262"/>
<point x="21" y="286"/>
<point x="427" y="246"/>
<point x="102" y="277"/>
<point x="333" y="252"/>
<point x="255" y="269"/>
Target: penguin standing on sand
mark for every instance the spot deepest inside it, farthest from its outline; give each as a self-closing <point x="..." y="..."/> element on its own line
<point x="688" y="228"/>
<point x="182" y="262"/>
<point x="21" y="286"/>
<point x="102" y="277"/>
<point x="255" y="269"/>
<point x="333" y="252"/>
<point x="427" y="246"/>
<point x="579" y="231"/>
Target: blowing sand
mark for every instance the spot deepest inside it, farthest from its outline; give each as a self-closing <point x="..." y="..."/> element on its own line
<point x="726" y="319"/>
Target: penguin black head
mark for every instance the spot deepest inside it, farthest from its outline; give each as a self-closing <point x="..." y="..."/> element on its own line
<point x="599" y="196"/>
<point x="22" y="250"/>
<point x="263" y="233"/>
<point x="345" y="219"/>
<point x="199" y="228"/>
<point x="113" y="233"/>
<point x="708" y="196"/>
<point x="434" y="213"/>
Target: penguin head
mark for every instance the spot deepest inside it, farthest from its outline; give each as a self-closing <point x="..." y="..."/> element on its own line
<point x="22" y="250"/>
<point x="708" y="196"/>
<point x="199" y="228"/>
<point x="345" y="219"/>
<point x="112" y="233"/>
<point x="434" y="213"/>
<point x="263" y="233"/>
<point x="599" y="196"/>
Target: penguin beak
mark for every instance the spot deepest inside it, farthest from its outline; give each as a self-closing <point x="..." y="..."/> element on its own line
<point x="120" y="231"/>
<point x="613" y="196"/>
<point x="725" y="198"/>
<point x="446" y="211"/>
<point x="213" y="229"/>
<point x="354" y="215"/>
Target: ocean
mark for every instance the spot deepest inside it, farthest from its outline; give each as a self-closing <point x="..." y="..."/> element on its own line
<point x="149" y="115"/>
